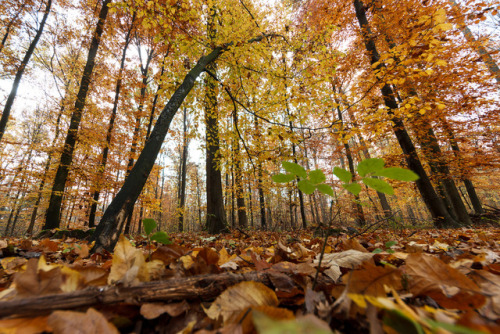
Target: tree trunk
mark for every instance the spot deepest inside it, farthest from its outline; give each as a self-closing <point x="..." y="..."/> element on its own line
<point x="111" y="224"/>
<point x="9" y="25"/>
<point x="434" y="204"/>
<point x="240" y="198"/>
<point x="105" y="151"/>
<point x="360" y="215"/>
<point x="216" y="220"/>
<point x="182" y="184"/>
<point x="53" y="214"/>
<point x="20" y="71"/>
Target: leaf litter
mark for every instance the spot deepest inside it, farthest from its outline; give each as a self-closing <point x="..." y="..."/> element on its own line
<point x="424" y="281"/>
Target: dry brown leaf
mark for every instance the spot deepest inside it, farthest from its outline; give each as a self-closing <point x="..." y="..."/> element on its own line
<point x="490" y="285"/>
<point x="239" y="297"/>
<point x="12" y="264"/>
<point x="168" y="253"/>
<point x="86" y="323"/>
<point x="372" y="280"/>
<point x="446" y="285"/>
<point x="25" y="325"/>
<point x="49" y="245"/>
<point x="35" y="283"/>
<point x="128" y="264"/>
<point x="348" y="259"/>
<point x="93" y="275"/>
<point x="353" y="244"/>
<point x="154" y="310"/>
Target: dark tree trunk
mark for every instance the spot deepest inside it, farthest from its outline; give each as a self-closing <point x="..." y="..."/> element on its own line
<point x="109" y="133"/>
<point x="260" y="185"/>
<point x="433" y="202"/>
<point x="240" y="198"/>
<point x="471" y="190"/>
<point x="111" y="224"/>
<point x="138" y="117"/>
<point x="216" y="220"/>
<point x="183" y="172"/>
<point x="360" y="215"/>
<point x="53" y="214"/>
<point x="20" y="71"/>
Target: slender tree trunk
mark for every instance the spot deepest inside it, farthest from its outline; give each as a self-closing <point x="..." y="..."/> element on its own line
<point x="240" y="197"/>
<point x="109" y="133"/>
<point x="360" y="215"/>
<point x="52" y="218"/>
<point x="183" y="172"/>
<point x="471" y="190"/>
<point x="10" y="25"/>
<point x="433" y="202"/>
<point x="111" y="224"/>
<point x="20" y="71"/>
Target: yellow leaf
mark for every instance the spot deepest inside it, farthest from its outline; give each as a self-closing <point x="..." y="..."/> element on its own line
<point x="239" y="297"/>
<point x="127" y="263"/>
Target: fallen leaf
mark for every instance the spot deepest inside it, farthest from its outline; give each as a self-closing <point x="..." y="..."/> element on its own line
<point x="25" y="325"/>
<point x="86" y="323"/>
<point x="154" y="310"/>
<point x="238" y="298"/>
<point x="128" y="264"/>
<point x="372" y="280"/>
<point x="446" y="285"/>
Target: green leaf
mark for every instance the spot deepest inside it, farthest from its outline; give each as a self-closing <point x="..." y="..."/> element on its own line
<point x="325" y="189"/>
<point x="397" y="173"/>
<point x="458" y="329"/>
<point x="353" y="188"/>
<point x="161" y="237"/>
<point x="377" y="250"/>
<point x="379" y="185"/>
<point x="368" y="166"/>
<point x="149" y="225"/>
<point x="283" y="178"/>
<point x="391" y="243"/>
<point x="306" y="186"/>
<point x="316" y="176"/>
<point x="295" y="169"/>
<point x="308" y="324"/>
<point x="342" y="174"/>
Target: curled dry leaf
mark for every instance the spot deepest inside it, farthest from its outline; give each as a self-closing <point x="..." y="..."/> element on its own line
<point x="446" y="285"/>
<point x="490" y="285"/>
<point x="348" y="259"/>
<point x="87" y="323"/>
<point x="238" y="298"/>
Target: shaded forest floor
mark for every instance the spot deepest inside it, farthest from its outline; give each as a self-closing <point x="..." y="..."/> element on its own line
<point x="387" y="280"/>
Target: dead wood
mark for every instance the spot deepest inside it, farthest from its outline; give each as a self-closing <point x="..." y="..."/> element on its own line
<point x="204" y="287"/>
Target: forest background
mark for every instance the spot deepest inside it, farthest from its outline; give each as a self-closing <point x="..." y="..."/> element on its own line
<point x="320" y="83"/>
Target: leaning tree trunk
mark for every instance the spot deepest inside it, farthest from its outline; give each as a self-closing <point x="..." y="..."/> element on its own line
<point x="20" y="71"/>
<point x="434" y="204"/>
<point x="53" y="215"/>
<point x="111" y="224"/>
<point x="105" y="151"/>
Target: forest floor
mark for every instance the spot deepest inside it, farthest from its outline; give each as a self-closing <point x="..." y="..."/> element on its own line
<point x="387" y="280"/>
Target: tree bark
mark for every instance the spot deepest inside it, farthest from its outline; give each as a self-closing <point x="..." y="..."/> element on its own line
<point x="53" y="214"/>
<point x="109" y="133"/>
<point x="183" y="172"/>
<point x="9" y="25"/>
<point x="111" y="225"/>
<point x="216" y="220"/>
<point x="20" y="71"/>
<point x="434" y="204"/>
<point x="204" y="287"/>
<point x="240" y="198"/>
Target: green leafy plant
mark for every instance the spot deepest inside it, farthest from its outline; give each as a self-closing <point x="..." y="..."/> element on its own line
<point x="160" y="236"/>
<point x="368" y="170"/>
<point x="388" y="246"/>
